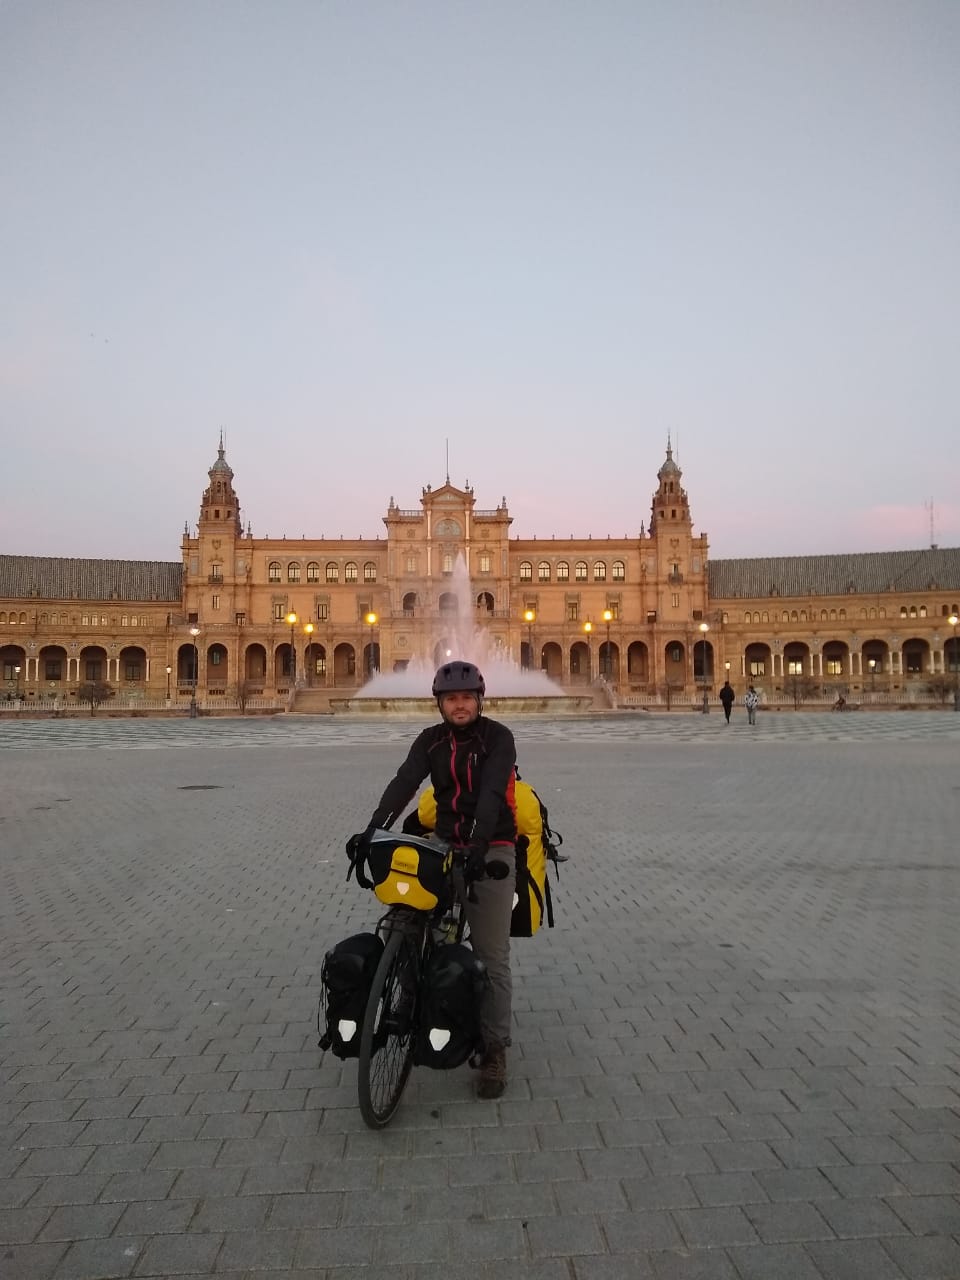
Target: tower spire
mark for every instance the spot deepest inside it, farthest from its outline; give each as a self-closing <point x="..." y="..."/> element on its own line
<point x="219" y="507"/>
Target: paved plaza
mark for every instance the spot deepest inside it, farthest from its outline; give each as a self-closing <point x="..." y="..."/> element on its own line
<point x="736" y="1057"/>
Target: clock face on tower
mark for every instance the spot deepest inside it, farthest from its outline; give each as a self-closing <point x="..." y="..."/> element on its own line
<point x="448" y="528"/>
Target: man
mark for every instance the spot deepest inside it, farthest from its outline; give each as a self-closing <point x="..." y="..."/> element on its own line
<point x="750" y="700"/>
<point x="470" y="761"/>
<point x="726" y="697"/>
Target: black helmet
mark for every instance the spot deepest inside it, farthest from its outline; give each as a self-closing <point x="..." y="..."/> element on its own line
<point x="458" y="677"/>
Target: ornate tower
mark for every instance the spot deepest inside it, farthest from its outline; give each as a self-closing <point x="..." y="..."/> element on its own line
<point x="670" y="506"/>
<point x="681" y="558"/>
<point x="213" y="571"/>
<point x="219" y="508"/>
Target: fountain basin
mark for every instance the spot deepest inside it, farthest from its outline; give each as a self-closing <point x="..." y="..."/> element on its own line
<point x="499" y="708"/>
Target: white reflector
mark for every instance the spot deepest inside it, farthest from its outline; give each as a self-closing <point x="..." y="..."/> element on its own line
<point x="439" y="1038"/>
<point x="402" y="887"/>
<point x="516" y="899"/>
<point x="346" y="1029"/>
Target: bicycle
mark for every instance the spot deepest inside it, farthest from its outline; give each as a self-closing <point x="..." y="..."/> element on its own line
<point x="426" y="891"/>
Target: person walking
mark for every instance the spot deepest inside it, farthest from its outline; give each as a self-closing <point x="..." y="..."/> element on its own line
<point x="727" y="697"/>
<point x="750" y="700"/>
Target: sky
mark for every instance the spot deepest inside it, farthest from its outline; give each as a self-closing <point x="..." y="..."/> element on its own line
<point x="537" y="236"/>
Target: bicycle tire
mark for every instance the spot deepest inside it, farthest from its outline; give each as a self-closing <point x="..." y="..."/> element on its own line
<point x="386" y="1044"/>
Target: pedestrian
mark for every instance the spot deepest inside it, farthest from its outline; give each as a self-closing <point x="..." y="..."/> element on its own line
<point x="471" y="762"/>
<point x="727" y="697"/>
<point x="750" y="700"/>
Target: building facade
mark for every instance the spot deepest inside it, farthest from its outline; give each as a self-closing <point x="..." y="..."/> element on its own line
<point x="653" y="616"/>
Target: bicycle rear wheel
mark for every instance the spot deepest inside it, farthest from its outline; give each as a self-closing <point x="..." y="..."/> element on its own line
<point x="387" y="1035"/>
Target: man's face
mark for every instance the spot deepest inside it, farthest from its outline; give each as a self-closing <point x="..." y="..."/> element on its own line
<point x="459" y="708"/>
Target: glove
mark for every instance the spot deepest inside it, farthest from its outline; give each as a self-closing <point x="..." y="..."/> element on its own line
<point x="358" y="846"/>
<point x="475" y="862"/>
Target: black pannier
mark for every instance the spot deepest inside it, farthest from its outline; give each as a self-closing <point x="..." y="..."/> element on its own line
<point x="347" y="975"/>
<point x="448" y="1032"/>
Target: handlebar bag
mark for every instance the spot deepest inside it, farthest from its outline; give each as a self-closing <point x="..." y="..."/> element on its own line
<point x="404" y="876"/>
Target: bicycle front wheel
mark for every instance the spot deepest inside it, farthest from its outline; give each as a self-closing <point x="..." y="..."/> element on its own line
<point x="387" y="1035"/>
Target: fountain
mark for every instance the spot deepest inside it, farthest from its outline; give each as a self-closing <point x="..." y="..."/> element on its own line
<point x="511" y="690"/>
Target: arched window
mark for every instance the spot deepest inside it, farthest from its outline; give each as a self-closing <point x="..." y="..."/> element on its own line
<point x="350" y="572"/>
<point x="293" y="572"/>
<point x="313" y="571"/>
<point x="923" y="611"/>
<point x="273" y="571"/>
<point x="333" y="571"/>
<point x="446" y="563"/>
<point x="563" y="571"/>
<point x="599" y="571"/>
<point x="619" y="571"/>
<point x="526" y="571"/>
<point x="543" y="571"/>
<point x="580" y="571"/>
<point x="409" y="602"/>
<point x="369" y="571"/>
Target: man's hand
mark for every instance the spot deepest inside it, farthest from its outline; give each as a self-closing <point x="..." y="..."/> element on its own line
<point x="358" y="846"/>
<point x="475" y="862"/>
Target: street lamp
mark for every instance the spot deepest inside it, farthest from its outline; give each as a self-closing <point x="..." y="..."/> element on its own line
<point x="607" y="664"/>
<point x="371" y="623"/>
<point x="194" y="631"/>
<point x="16" y="672"/>
<point x="588" y="627"/>
<point x="953" y="620"/>
<point x="704" y="628"/>
<point x="292" y="622"/>
<point x="530" y="618"/>
<point x="308" y="632"/>
<point x="872" y="664"/>
<point x="169" y="670"/>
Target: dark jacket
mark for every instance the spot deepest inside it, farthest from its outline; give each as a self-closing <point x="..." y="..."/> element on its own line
<point x="727" y="695"/>
<point x="472" y="771"/>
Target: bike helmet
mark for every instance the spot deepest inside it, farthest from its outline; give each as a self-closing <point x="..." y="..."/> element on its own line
<point x="458" y="677"/>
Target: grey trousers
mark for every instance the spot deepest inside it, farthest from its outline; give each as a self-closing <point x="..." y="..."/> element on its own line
<point x="489" y="919"/>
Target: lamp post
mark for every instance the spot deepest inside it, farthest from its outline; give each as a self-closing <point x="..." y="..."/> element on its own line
<point x="529" y="618"/>
<point x="588" y="628"/>
<point x="308" y="632"/>
<point x="194" y="631"/>
<point x="16" y="672"/>
<point x="872" y="664"/>
<point x="169" y="670"/>
<point x="704" y="628"/>
<point x="371" y="623"/>
<point x="607" y="664"/>
<point x="292" y="622"/>
<point x="953" y="620"/>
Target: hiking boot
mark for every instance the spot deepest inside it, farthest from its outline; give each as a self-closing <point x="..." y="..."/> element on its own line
<point x="493" y="1073"/>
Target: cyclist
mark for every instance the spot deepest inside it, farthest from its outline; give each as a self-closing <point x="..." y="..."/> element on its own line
<point x="470" y="760"/>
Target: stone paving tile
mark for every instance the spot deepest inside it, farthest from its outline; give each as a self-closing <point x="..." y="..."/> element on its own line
<point x="737" y="1055"/>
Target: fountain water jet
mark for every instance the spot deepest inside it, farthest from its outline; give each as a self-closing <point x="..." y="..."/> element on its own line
<point x="510" y="688"/>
